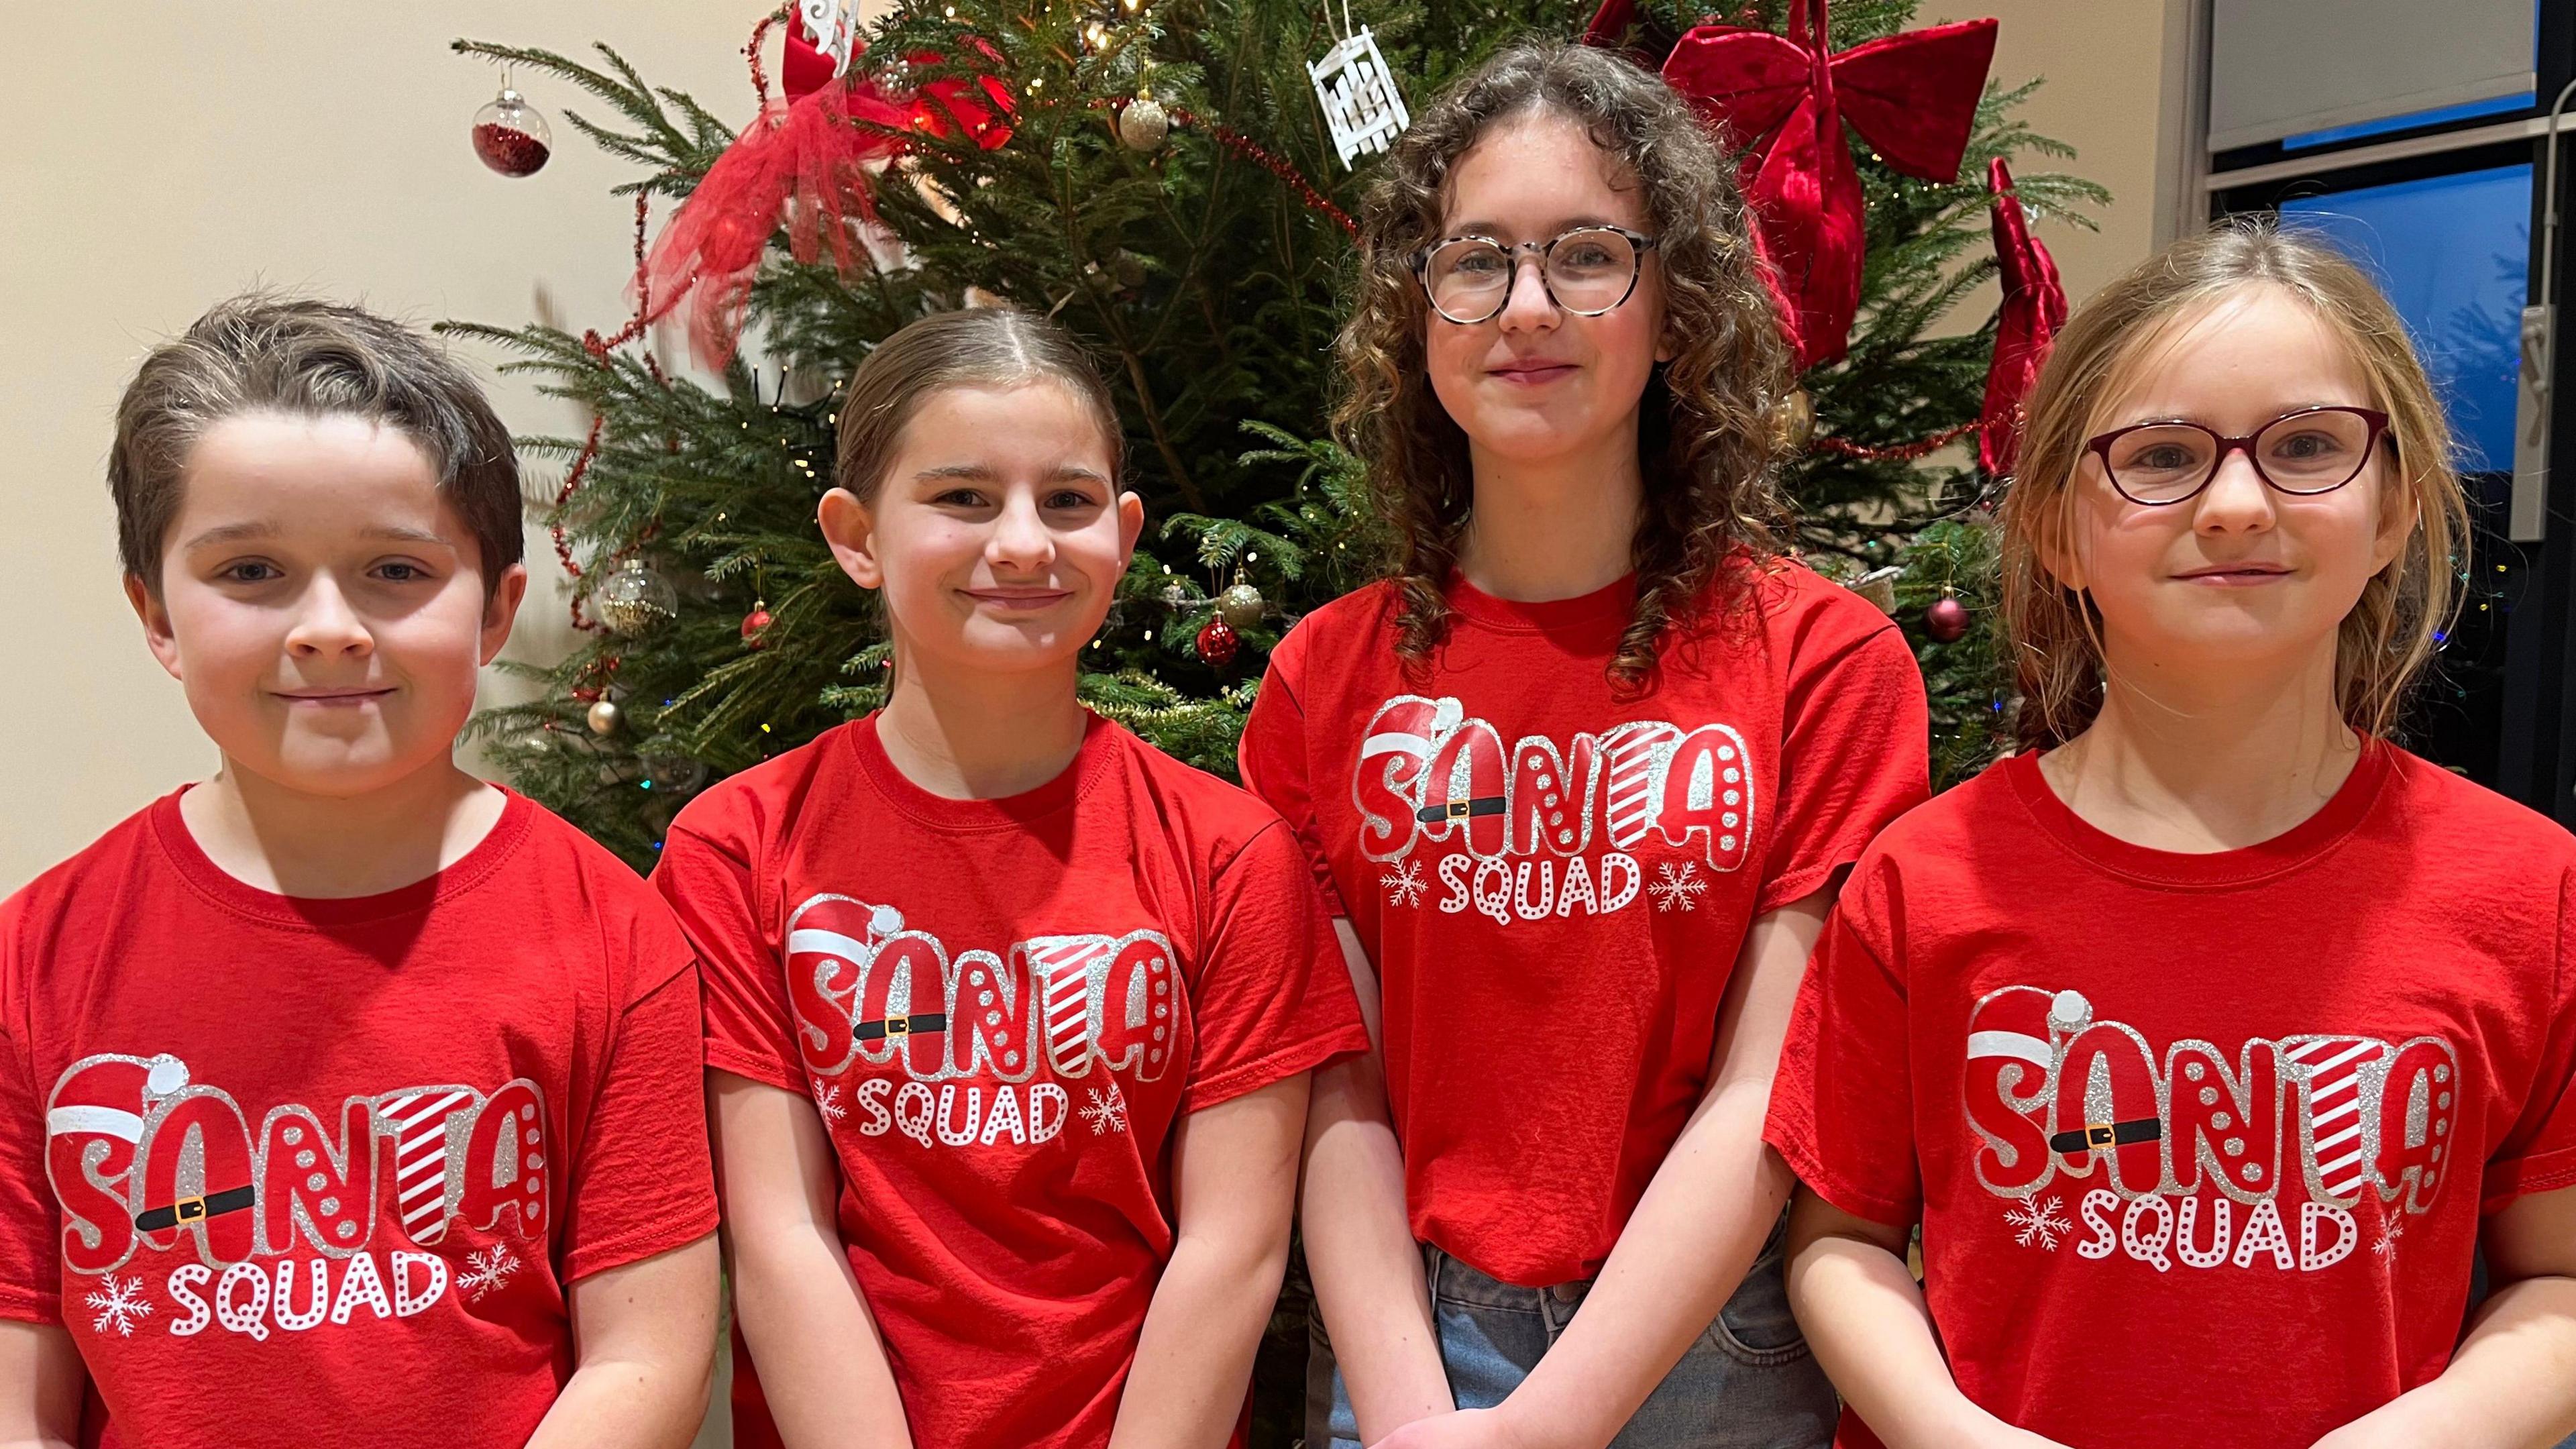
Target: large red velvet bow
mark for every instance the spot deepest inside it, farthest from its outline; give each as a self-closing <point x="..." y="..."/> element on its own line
<point x="1913" y="97"/>
<point x="805" y="160"/>
<point x="2034" y="308"/>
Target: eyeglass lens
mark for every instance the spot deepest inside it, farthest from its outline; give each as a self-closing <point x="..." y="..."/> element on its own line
<point x="2309" y="452"/>
<point x="1588" y="271"/>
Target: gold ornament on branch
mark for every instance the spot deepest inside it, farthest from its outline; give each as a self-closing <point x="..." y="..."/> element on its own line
<point x="1241" y="605"/>
<point x="1143" y="125"/>
<point x="636" y="599"/>
<point x="605" y="717"/>
<point x="1793" y="421"/>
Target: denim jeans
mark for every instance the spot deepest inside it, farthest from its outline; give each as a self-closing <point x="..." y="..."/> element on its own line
<point x="1747" y="1382"/>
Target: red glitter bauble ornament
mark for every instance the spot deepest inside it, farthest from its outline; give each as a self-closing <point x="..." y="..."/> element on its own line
<point x="755" y="624"/>
<point x="1218" y="644"/>
<point x="1946" y="620"/>
<point x="510" y="135"/>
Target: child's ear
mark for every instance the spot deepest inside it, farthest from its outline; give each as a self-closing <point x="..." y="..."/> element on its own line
<point x="2053" y="541"/>
<point x="1131" y="526"/>
<point x="155" y="615"/>
<point x="851" y="531"/>
<point x="2399" y="516"/>
<point x="501" y="610"/>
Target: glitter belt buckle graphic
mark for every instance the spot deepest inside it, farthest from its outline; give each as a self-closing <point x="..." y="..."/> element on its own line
<point x="899" y="1026"/>
<point x="2104" y="1136"/>
<point x="1459" y="809"/>
<point x="195" y="1209"/>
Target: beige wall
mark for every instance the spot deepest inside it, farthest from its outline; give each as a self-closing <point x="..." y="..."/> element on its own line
<point x="2103" y="61"/>
<point x="190" y="149"/>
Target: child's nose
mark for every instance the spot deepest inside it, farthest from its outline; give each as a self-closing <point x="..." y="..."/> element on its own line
<point x="1528" y="304"/>
<point x="2236" y="498"/>
<point x="326" y="624"/>
<point x="1020" y="535"/>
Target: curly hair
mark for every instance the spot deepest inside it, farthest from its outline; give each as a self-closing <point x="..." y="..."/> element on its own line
<point x="1706" y="440"/>
<point x="2394" y="629"/>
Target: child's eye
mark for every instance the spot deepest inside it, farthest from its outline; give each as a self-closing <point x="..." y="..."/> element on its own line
<point x="1071" y="498"/>
<point x="401" y="573"/>
<point x="250" y="571"/>
<point x="960" y="498"/>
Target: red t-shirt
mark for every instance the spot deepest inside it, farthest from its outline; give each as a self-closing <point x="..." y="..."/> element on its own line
<point x="1002" y="1008"/>
<point x="299" y="1172"/>
<point x="2314" y="1062"/>
<point x="1554" y="882"/>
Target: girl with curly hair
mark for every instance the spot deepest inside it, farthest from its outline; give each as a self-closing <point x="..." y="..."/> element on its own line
<point x="1581" y="776"/>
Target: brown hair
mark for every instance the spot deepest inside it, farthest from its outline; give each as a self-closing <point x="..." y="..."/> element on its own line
<point x="258" y="353"/>
<point x="1705" y="438"/>
<point x="976" y="347"/>
<point x="2389" y="636"/>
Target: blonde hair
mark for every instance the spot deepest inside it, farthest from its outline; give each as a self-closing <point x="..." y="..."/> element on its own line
<point x="2391" y="633"/>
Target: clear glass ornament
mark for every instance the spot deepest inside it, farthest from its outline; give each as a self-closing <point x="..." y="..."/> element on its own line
<point x="636" y="599"/>
<point x="511" y="136"/>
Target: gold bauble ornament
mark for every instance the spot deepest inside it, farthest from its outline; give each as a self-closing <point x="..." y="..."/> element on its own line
<point x="1793" y="421"/>
<point x="1143" y="124"/>
<point x="1241" y="605"/>
<point x="605" y="717"/>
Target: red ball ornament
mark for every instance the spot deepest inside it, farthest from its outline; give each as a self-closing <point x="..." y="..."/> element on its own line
<point x="1218" y="644"/>
<point x="755" y="624"/>
<point x="1946" y="620"/>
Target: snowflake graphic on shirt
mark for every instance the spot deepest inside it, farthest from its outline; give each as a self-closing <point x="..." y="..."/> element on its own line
<point x="2042" y="1221"/>
<point x="1107" y="1112"/>
<point x="828" y="1102"/>
<point x="1677" y="885"/>
<point x="1403" y="887"/>
<point x="485" y="1271"/>
<point x="119" y="1303"/>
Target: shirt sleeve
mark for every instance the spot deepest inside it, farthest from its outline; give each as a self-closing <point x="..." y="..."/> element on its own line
<point x="1271" y="758"/>
<point x="643" y="1183"/>
<point x="30" y="1271"/>
<point x="749" y="1030"/>
<point x="1854" y="755"/>
<point x="1272" y="997"/>
<point x="1842" y="1104"/>
<point x="2539" y="1153"/>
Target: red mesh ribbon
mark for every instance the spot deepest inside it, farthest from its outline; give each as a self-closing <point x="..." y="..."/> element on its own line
<point x="806" y="161"/>
<point x="2034" y="308"/>
<point x="1784" y="99"/>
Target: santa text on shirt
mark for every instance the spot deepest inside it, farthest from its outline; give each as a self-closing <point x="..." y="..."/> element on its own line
<point x="1518" y="823"/>
<point x="2177" y="1153"/>
<point x="949" y="1050"/>
<point x="280" y="1228"/>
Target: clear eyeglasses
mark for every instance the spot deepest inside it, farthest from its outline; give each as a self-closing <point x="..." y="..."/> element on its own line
<point x="1587" y="271"/>
<point x="2311" y="451"/>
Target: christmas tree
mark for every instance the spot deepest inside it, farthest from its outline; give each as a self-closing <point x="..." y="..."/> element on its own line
<point x="1159" y="176"/>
